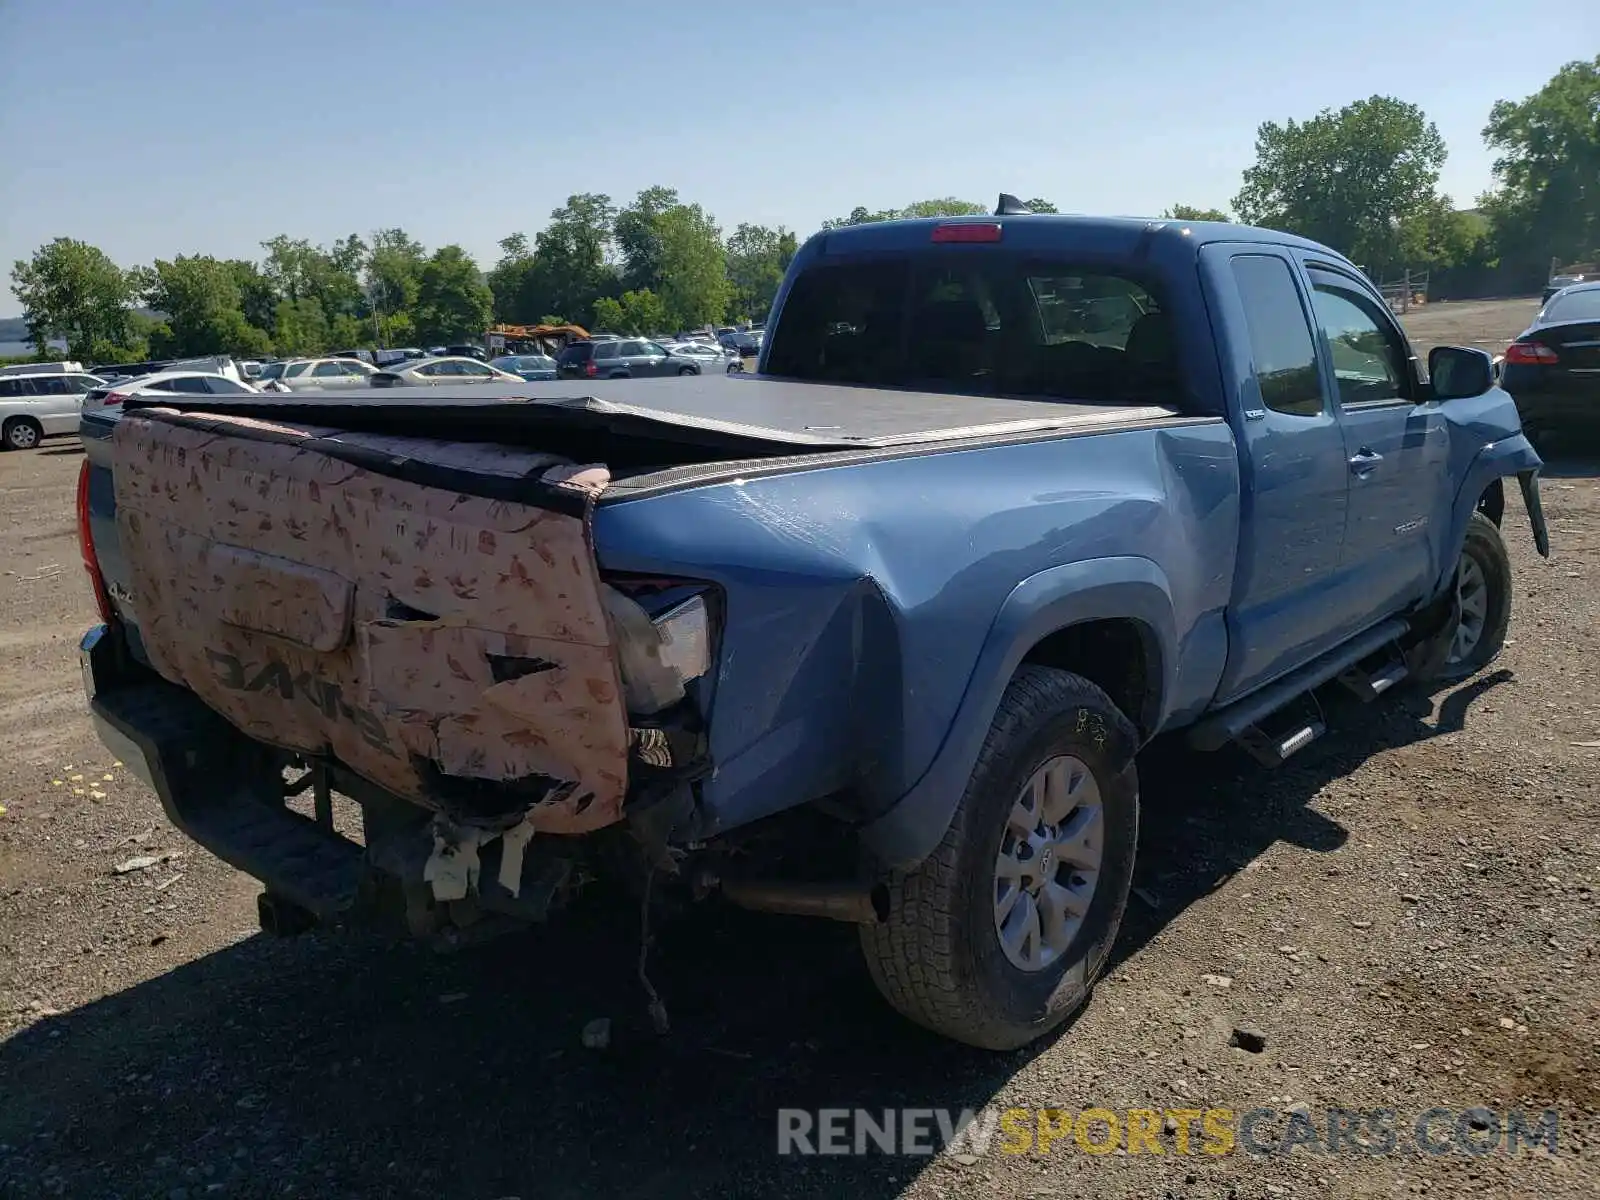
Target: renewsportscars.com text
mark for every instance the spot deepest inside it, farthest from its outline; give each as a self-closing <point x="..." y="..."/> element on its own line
<point x="1177" y="1131"/>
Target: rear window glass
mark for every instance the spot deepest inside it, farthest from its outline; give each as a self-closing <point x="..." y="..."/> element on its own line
<point x="1575" y="306"/>
<point x="577" y="352"/>
<point x="979" y="324"/>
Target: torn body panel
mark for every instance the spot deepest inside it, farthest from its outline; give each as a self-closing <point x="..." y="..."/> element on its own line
<point x="449" y="647"/>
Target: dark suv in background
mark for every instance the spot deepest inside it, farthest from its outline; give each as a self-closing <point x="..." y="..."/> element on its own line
<point x="621" y="358"/>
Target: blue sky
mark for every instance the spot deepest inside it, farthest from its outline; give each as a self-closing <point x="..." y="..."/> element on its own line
<point x="176" y="126"/>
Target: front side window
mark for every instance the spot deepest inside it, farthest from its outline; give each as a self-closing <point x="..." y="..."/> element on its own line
<point x="296" y="369"/>
<point x="1281" y="346"/>
<point x="328" y="370"/>
<point x="1369" y="366"/>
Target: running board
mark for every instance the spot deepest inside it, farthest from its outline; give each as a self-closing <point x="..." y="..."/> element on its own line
<point x="1227" y="724"/>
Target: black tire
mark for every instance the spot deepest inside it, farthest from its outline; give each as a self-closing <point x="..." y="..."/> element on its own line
<point x="687" y="371"/>
<point x="938" y="957"/>
<point x="1487" y="549"/>
<point x="22" y="433"/>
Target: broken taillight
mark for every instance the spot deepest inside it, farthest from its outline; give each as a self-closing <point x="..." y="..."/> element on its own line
<point x="91" y="561"/>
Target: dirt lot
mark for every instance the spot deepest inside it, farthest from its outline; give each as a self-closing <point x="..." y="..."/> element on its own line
<point x="1409" y="912"/>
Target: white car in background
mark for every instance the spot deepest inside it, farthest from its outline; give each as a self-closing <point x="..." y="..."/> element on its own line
<point x="164" y="383"/>
<point x="441" y="372"/>
<point x="315" y="374"/>
<point x="38" y="405"/>
<point x="709" y="356"/>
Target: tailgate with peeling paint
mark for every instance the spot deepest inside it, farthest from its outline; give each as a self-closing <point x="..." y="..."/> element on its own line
<point x="428" y="613"/>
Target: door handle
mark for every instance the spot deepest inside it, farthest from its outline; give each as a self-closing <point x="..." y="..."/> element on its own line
<point x="1363" y="462"/>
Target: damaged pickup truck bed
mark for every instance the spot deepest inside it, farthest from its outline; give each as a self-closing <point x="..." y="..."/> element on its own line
<point x="876" y="634"/>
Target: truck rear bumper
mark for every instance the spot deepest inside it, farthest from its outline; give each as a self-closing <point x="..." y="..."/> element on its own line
<point x="227" y="792"/>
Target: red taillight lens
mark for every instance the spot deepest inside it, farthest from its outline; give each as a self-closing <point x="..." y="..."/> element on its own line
<point x="1531" y="354"/>
<point x="91" y="563"/>
<point x="590" y="369"/>
<point x="114" y="398"/>
<point x="967" y="231"/>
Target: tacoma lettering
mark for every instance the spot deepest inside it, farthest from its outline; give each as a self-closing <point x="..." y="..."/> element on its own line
<point x="323" y="695"/>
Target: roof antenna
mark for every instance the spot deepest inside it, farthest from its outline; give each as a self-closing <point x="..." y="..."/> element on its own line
<point x="1010" y="206"/>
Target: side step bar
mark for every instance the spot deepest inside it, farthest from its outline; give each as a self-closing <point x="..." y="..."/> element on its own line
<point x="1230" y="723"/>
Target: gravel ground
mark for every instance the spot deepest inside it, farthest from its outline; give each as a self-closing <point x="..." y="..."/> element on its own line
<point x="1407" y="913"/>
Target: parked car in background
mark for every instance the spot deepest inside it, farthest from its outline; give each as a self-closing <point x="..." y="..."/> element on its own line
<point x="316" y="374"/>
<point x="428" y="372"/>
<point x="36" y="406"/>
<point x="113" y="393"/>
<point x="623" y="358"/>
<point x="43" y="368"/>
<point x="466" y="351"/>
<point x="361" y="355"/>
<point x="531" y="367"/>
<point x="1552" y="369"/>
<point x="710" y="358"/>
<point x="384" y="358"/>
<point x="746" y="345"/>
<point x="1568" y="276"/>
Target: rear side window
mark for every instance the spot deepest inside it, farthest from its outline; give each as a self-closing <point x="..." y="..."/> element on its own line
<point x="606" y="350"/>
<point x="1575" y="306"/>
<point x="980" y="324"/>
<point x="295" y="369"/>
<point x="1281" y="347"/>
<point x="10" y="389"/>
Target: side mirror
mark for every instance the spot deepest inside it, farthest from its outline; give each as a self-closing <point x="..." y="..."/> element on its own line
<point x="1457" y="372"/>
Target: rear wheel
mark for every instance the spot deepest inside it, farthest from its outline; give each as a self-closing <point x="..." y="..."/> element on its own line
<point x="687" y="371"/>
<point x="22" y="433"/>
<point x="997" y="937"/>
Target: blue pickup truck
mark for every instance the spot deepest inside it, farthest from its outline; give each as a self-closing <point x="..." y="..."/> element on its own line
<point x="874" y="634"/>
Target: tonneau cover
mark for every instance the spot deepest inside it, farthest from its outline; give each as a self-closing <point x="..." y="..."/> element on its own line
<point x="750" y="413"/>
<point x="452" y="648"/>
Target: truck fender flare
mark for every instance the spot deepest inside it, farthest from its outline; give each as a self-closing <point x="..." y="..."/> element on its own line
<point x="1125" y="588"/>
<point x="1510" y="456"/>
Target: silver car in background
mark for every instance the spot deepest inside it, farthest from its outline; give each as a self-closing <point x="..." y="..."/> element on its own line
<point x="315" y="374"/>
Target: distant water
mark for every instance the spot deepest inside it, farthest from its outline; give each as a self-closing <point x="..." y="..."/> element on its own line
<point x="9" y="349"/>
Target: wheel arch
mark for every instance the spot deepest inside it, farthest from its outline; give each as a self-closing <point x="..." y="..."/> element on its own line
<point x="1085" y="617"/>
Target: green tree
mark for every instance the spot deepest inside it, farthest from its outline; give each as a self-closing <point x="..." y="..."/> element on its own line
<point x="1042" y="206"/>
<point x="570" y="270"/>
<point x="453" y="301"/>
<point x="392" y="279"/>
<point x="299" y="271"/>
<point x="200" y="299"/>
<point x="633" y="312"/>
<point x="300" y="327"/>
<point x="1547" y="200"/>
<point x="1188" y="212"/>
<point x="257" y="299"/>
<point x="757" y="259"/>
<point x="509" y="279"/>
<point x="638" y="238"/>
<point x="1352" y="179"/>
<point x="72" y="291"/>
<point x="694" y="276"/>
